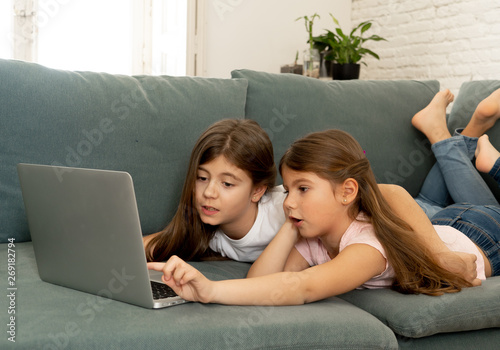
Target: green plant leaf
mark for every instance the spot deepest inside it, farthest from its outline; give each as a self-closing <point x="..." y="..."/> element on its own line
<point x="375" y="38"/>
<point x="347" y="49"/>
<point x="365" y="27"/>
<point x="357" y="27"/>
<point x="309" y="22"/>
<point x="340" y="33"/>
<point x="335" y="20"/>
<point x="370" y="52"/>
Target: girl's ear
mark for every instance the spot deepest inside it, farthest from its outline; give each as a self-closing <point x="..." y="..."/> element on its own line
<point x="258" y="192"/>
<point x="350" y="191"/>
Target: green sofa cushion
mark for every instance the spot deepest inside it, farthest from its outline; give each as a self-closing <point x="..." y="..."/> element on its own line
<point x="60" y="318"/>
<point x="484" y="339"/>
<point x="143" y="125"/>
<point x="469" y="96"/>
<point x="416" y="316"/>
<point x="377" y="113"/>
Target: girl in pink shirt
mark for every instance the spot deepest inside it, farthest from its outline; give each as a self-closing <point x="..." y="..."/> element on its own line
<point x="340" y="234"/>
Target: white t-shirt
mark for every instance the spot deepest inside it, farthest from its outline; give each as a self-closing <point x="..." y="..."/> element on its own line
<point x="270" y="218"/>
<point x="315" y="253"/>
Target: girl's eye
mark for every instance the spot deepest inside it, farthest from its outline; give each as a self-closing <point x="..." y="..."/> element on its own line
<point x="227" y="184"/>
<point x="202" y="178"/>
<point x="303" y="189"/>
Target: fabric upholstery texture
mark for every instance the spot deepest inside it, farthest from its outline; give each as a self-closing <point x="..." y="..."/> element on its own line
<point x="147" y="126"/>
<point x="416" y="316"/>
<point x="63" y="318"/>
<point x="377" y="113"/>
<point x="144" y="125"/>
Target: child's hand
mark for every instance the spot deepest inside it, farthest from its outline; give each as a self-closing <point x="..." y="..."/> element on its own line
<point x="463" y="264"/>
<point x="185" y="280"/>
<point x="291" y="228"/>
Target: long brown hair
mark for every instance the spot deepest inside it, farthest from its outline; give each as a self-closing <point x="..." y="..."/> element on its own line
<point x="336" y="156"/>
<point x="242" y="142"/>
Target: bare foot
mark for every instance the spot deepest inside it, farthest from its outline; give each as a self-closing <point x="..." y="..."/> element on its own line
<point x="485" y="116"/>
<point x="432" y="119"/>
<point x="486" y="154"/>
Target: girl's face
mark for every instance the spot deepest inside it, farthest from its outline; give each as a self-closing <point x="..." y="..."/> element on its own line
<point x="315" y="206"/>
<point x="226" y="197"/>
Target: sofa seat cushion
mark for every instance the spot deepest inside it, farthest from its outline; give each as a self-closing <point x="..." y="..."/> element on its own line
<point x="416" y="316"/>
<point x="471" y="93"/>
<point x="54" y="317"/>
<point x="377" y="113"/>
<point x="484" y="339"/>
<point x="145" y="125"/>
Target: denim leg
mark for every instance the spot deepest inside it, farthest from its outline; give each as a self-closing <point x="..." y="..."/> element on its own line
<point x="481" y="223"/>
<point x="495" y="171"/>
<point x="434" y="194"/>
<point x="462" y="180"/>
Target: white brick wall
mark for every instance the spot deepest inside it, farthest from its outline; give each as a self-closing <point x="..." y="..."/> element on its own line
<point x="452" y="41"/>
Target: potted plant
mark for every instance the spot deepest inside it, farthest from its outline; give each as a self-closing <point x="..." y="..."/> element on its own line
<point x="346" y="51"/>
<point x="293" y="68"/>
<point x="311" y="55"/>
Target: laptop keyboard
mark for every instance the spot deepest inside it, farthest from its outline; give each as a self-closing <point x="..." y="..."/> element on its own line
<point x="161" y="290"/>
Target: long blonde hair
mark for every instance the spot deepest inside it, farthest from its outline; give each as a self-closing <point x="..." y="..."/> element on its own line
<point x="242" y="142"/>
<point x="336" y="156"/>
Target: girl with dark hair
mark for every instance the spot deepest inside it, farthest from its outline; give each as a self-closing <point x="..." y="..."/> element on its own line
<point x="228" y="206"/>
<point x="340" y="234"/>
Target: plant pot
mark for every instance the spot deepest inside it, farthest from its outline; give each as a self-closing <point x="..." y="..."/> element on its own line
<point x="294" y="69"/>
<point x="345" y="71"/>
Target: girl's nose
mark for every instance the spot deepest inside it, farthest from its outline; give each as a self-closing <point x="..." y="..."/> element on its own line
<point x="288" y="203"/>
<point x="211" y="190"/>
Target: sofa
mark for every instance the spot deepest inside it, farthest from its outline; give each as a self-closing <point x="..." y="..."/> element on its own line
<point x="147" y="125"/>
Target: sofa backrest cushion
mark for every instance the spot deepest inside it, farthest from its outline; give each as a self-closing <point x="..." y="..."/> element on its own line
<point x="144" y="125"/>
<point x="469" y="96"/>
<point x="377" y="113"/>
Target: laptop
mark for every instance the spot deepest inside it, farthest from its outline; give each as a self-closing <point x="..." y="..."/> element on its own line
<point x="86" y="234"/>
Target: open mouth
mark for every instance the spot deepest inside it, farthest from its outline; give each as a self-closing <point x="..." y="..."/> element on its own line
<point x="295" y="221"/>
<point x="209" y="210"/>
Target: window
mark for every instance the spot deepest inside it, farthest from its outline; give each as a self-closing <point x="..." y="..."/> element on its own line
<point x="6" y="13"/>
<point x="114" y="36"/>
<point x="91" y="35"/>
<point x="169" y="36"/>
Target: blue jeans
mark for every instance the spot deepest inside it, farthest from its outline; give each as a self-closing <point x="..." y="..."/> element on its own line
<point x="481" y="223"/>
<point x="495" y="172"/>
<point x="454" y="179"/>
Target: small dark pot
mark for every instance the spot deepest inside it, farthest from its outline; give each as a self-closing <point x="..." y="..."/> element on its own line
<point x="345" y="71"/>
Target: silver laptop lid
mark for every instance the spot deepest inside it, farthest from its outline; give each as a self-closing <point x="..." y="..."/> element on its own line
<point x="86" y="233"/>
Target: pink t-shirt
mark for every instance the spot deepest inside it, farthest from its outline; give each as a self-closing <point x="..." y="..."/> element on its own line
<point x="362" y="232"/>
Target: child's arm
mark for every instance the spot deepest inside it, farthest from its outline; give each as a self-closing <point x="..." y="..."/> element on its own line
<point x="274" y="258"/>
<point x="355" y="265"/>
<point x="404" y="206"/>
